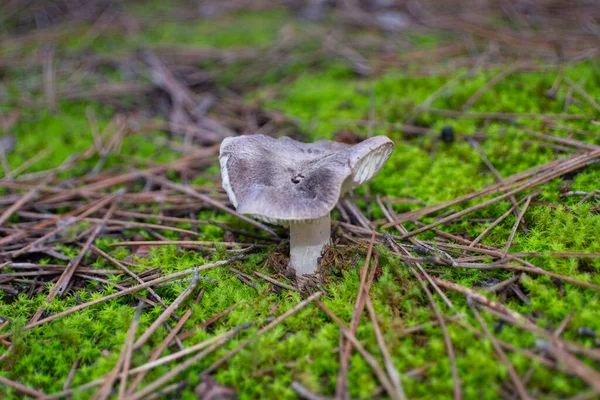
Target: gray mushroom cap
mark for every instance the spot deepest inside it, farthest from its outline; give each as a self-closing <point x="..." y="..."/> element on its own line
<point x="284" y="181"/>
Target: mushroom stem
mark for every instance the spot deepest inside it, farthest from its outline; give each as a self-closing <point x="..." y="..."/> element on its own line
<point x="307" y="240"/>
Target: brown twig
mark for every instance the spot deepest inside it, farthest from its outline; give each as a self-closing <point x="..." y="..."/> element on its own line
<point x="515" y="318"/>
<point x="501" y="115"/>
<point x="125" y="292"/>
<point x="389" y="213"/>
<point x="546" y="172"/>
<point x="17" y="205"/>
<point x="479" y="297"/>
<point x="499" y="286"/>
<point x="306" y="394"/>
<point x="190" y="350"/>
<point x="559" y="349"/>
<point x="525" y="324"/>
<point x="165" y="378"/>
<point x="570" y="142"/>
<point x="275" y="281"/>
<point x="186" y="364"/>
<point x="113" y="260"/>
<point x="210" y="321"/>
<point x="511" y="370"/>
<point x="129" y="350"/>
<point x="516" y="225"/>
<point x="151" y="364"/>
<point x="86" y="210"/>
<point x="583" y="93"/>
<point x="457" y="391"/>
<point x="491" y="83"/>
<point x="104" y="392"/>
<point x="585" y="159"/>
<point x="359" y="347"/>
<point x="509" y="347"/>
<point x="389" y="364"/>
<point x="563" y="324"/>
<point x="184" y="243"/>
<point x="37" y="157"/>
<point x="501" y="265"/>
<point x="496" y="222"/>
<point x="71" y="374"/>
<point x="342" y="383"/>
<point x="63" y="282"/>
<point x="262" y="331"/>
<point x="167" y="312"/>
<point x="158" y="351"/>
<point x="498" y="177"/>
<point x="22" y="388"/>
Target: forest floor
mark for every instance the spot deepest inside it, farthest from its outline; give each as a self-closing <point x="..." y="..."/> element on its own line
<point x="468" y="268"/>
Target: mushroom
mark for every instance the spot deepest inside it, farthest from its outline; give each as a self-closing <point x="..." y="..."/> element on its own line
<point x="290" y="183"/>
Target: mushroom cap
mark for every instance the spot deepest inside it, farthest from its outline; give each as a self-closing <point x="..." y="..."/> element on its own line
<point x="283" y="181"/>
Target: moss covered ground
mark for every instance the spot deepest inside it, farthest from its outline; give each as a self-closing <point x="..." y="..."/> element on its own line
<point x="323" y="98"/>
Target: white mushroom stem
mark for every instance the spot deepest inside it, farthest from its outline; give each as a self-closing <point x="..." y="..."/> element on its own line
<point x="306" y="244"/>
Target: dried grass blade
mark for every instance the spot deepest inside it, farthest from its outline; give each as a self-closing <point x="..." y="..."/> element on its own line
<point x="389" y="364"/>
<point x="366" y="355"/>
<point x="167" y="312"/>
<point x="125" y="292"/>
<point x="104" y="392"/>
<point x="17" y="205"/>
<point x="22" y="388"/>
<point x="511" y="370"/>
<point x="341" y="388"/>
<point x="261" y="331"/>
